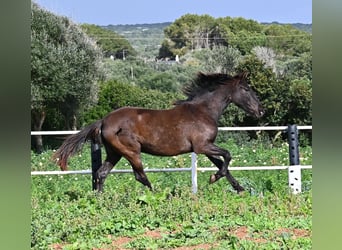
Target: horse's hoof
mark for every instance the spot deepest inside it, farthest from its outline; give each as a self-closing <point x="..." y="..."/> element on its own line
<point x="240" y="190"/>
<point x="212" y="179"/>
<point x="242" y="193"/>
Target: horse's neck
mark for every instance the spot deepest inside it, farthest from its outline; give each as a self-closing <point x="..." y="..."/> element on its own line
<point x="214" y="105"/>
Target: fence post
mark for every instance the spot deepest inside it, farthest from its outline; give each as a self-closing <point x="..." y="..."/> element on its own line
<point x="96" y="161"/>
<point x="294" y="170"/>
<point x="194" y="172"/>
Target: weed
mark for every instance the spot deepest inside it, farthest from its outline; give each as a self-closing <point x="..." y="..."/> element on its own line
<point x="65" y="212"/>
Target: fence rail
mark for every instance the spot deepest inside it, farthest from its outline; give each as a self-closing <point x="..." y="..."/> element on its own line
<point x="294" y="171"/>
<point x="68" y="132"/>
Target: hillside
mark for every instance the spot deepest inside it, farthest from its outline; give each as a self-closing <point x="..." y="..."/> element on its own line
<point x="146" y="38"/>
<point x="300" y="26"/>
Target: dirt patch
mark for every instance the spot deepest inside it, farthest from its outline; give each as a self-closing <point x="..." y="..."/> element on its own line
<point x="118" y="243"/>
<point x="295" y="233"/>
<point x="155" y="234"/>
<point x="242" y="234"/>
<point x="199" y="246"/>
<point x="57" y="246"/>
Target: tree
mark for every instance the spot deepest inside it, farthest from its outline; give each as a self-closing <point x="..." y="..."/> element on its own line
<point x="286" y="39"/>
<point x="267" y="56"/>
<point x="163" y="82"/>
<point x="286" y="100"/>
<point x="111" y="43"/>
<point x="219" y="59"/>
<point x="300" y="105"/>
<point x="193" y="32"/>
<point x="272" y="92"/>
<point x="245" y="41"/>
<point x="242" y="34"/>
<point x="114" y="94"/>
<point x="65" y="66"/>
<point x="296" y="67"/>
<point x="190" y="32"/>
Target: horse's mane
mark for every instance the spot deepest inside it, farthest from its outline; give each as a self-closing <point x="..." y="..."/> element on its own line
<point x="203" y="83"/>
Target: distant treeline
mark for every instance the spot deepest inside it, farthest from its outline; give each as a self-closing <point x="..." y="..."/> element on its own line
<point x="81" y="72"/>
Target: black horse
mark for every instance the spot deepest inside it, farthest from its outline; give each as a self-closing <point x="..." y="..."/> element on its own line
<point x="190" y="126"/>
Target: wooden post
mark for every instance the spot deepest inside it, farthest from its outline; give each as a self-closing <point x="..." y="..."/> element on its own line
<point x="96" y="161"/>
<point x="294" y="170"/>
<point x="194" y="172"/>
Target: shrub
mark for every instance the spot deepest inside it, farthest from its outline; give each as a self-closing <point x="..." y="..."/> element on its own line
<point x="114" y="94"/>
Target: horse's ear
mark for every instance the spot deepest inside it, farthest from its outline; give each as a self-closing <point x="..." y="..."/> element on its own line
<point x="201" y="75"/>
<point x="244" y="75"/>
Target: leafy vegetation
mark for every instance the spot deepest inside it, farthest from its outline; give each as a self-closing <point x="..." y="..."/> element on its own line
<point x="285" y="99"/>
<point x="126" y="94"/>
<point x="159" y="76"/>
<point x="65" y="68"/>
<point x="73" y="83"/>
<point x="192" y="32"/>
<point x="145" y="38"/>
<point x="66" y="214"/>
<point x="110" y="42"/>
<point x="277" y="57"/>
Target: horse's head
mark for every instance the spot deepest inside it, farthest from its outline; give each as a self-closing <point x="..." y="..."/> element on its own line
<point x="244" y="97"/>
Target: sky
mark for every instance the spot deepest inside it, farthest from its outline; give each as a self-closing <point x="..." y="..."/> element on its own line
<point x="106" y="12"/>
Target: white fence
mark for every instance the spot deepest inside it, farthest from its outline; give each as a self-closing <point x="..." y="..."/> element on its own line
<point x="294" y="171"/>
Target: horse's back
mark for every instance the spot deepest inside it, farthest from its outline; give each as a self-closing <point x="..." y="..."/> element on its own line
<point x="160" y="132"/>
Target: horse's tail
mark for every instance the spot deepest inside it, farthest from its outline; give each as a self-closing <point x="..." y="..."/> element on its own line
<point x="74" y="143"/>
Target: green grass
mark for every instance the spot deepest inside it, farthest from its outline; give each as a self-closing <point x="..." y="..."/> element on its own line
<point x="65" y="211"/>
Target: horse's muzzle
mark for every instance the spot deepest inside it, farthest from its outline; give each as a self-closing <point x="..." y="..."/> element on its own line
<point x="260" y="113"/>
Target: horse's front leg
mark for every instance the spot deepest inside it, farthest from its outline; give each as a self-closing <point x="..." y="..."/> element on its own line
<point x="222" y="166"/>
<point x="219" y="164"/>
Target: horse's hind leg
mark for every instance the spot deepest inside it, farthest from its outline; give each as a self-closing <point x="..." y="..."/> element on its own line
<point x="139" y="172"/>
<point x="129" y="147"/>
<point x="103" y="171"/>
